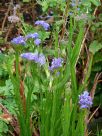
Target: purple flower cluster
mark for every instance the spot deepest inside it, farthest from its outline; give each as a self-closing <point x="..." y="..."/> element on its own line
<point x="42" y="23"/>
<point x="32" y="35"/>
<point x="41" y="59"/>
<point x="37" y="41"/>
<point x="85" y="100"/>
<point x="18" y="40"/>
<point x="22" y="40"/>
<point x="56" y="63"/>
<point x="35" y="36"/>
<point x="30" y="56"/>
<point x="38" y="58"/>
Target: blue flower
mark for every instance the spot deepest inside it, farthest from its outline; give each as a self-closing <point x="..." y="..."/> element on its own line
<point x="18" y="40"/>
<point x="85" y="100"/>
<point x="41" y="59"/>
<point x="32" y="35"/>
<point x="30" y="56"/>
<point x="37" y="41"/>
<point x="56" y="63"/>
<point x="42" y="23"/>
<point x="37" y="58"/>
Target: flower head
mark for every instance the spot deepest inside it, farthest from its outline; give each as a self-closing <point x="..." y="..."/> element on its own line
<point x="37" y="41"/>
<point x="37" y="58"/>
<point x="32" y="35"/>
<point x="41" y="59"/>
<point x="56" y="63"/>
<point x="18" y="40"/>
<point x="30" y="56"/>
<point x="85" y="100"/>
<point x="42" y="23"/>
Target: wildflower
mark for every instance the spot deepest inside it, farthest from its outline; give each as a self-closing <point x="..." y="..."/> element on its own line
<point x="30" y="56"/>
<point x="42" y="23"/>
<point x="37" y="58"/>
<point x="13" y="19"/>
<point x="85" y="100"/>
<point x="37" y="41"/>
<point x="41" y="59"/>
<point x="33" y="35"/>
<point x="18" y="40"/>
<point x="56" y="63"/>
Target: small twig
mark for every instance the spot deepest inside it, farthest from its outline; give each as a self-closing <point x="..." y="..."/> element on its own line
<point x="99" y="81"/>
<point x="4" y="109"/>
<point x="86" y="68"/>
<point x="25" y="9"/>
<point x="86" y="49"/>
<point x="89" y="133"/>
<point x="65" y="20"/>
<point x="35" y="133"/>
<point x="9" y="30"/>
<point x="95" y="84"/>
<point x="94" y="13"/>
<point x="85" y="35"/>
<point x="83" y="42"/>
<point x="93" y="114"/>
<point x="6" y="15"/>
<point x="11" y="133"/>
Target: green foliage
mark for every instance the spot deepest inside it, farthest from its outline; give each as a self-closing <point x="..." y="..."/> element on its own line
<point x="51" y="4"/>
<point x="95" y="47"/>
<point x="26" y="0"/>
<point x="3" y="70"/>
<point x="3" y="128"/>
<point x="97" y="57"/>
<point x="97" y="67"/>
<point x="7" y="89"/>
<point x="66" y="114"/>
<point x="99" y="133"/>
<point x="7" y="92"/>
<point x="52" y="98"/>
<point x="95" y="2"/>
